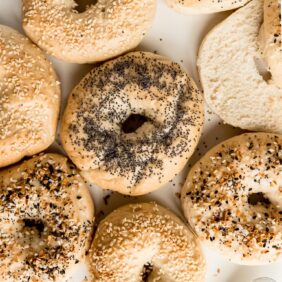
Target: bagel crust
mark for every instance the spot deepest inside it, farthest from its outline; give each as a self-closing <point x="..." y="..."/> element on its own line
<point x="233" y="199"/>
<point x="145" y="242"/>
<point x="29" y="98"/>
<point x="46" y="220"/>
<point x="229" y="70"/>
<point x="191" y="7"/>
<point x="141" y="161"/>
<point x="105" y="30"/>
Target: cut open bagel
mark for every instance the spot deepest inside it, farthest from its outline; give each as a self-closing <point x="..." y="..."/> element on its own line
<point x="236" y="81"/>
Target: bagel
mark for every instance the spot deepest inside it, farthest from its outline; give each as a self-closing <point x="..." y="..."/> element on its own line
<point x="270" y="39"/>
<point x="29" y="98"/>
<point x="145" y="242"/>
<point x="229" y="65"/>
<point x="46" y="220"/>
<point x="194" y="7"/>
<point x="233" y="198"/>
<point x="105" y="30"/>
<point x="140" y="89"/>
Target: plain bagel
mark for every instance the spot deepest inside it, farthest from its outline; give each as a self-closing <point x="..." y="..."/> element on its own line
<point x="29" y="98"/>
<point x="145" y="242"/>
<point x="105" y="30"/>
<point x="229" y="62"/>
<point x="46" y="220"/>
<point x="233" y="198"/>
<point x="194" y="7"/>
<point x="98" y="130"/>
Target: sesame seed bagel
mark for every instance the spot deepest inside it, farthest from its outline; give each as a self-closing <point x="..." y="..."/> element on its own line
<point x="29" y="98"/>
<point x="231" y="65"/>
<point x="145" y="242"/>
<point x="233" y="198"/>
<point x="106" y="29"/>
<point x="194" y="7"/>
<point x="46" y="219"/>
<point x="138" y="88"/>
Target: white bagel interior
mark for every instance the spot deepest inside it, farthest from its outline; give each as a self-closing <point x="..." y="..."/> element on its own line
<point x="270" y="39"/>
<point x="228" y="66"/>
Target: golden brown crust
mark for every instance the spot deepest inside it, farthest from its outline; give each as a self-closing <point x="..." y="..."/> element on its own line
<point x="232" y="198"/>
<point x="29" y="98"/>
<point x="145" y="237"/>
<point x="46" y="219"/>
<point x="105" y="30"/>
<point x="142" y="161"/>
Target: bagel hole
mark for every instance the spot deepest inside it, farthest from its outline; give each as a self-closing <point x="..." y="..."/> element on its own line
<point x="133" y="122"/>
<point x="262" y="69"/>
<point x="258" y="198"/>
<point x="83" y="5"/>
<point x="34" y="223"/>
<point x="146" y="271"/>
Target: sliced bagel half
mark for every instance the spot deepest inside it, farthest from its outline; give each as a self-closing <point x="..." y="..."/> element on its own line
<point x="236" y="84"/>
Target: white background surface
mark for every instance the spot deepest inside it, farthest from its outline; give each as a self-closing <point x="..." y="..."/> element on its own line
<point x="178" y="37"/>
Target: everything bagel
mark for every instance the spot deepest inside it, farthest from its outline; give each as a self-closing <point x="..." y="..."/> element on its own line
<point x="46" y="220"/>
<point x="232" y="198"/>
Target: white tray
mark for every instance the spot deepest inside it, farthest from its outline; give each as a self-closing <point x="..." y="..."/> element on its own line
<point x="177" y="37"/>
